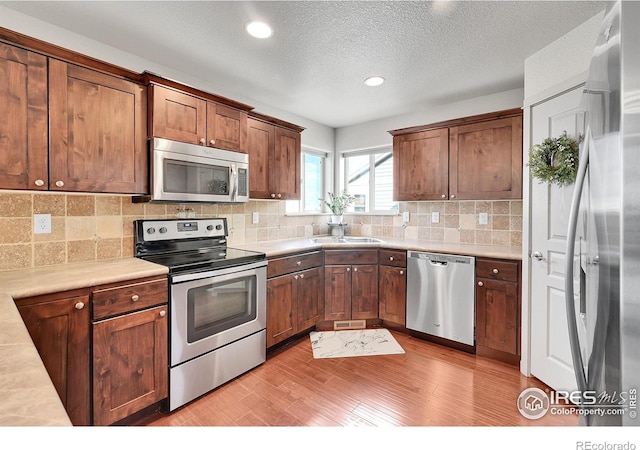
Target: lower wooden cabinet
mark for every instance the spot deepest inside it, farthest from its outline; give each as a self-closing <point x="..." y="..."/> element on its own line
<point x="392" y="287"/>
<point x="122" y="328"/>
<point x="295" y="295"/>
<point x="498" y="309"/>
<point x="351" y="284"/>
<point x="130" y="364"/>
<point x="59" y="326"/>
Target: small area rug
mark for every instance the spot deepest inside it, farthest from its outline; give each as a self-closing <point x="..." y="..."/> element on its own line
<point x="348" y="343"/>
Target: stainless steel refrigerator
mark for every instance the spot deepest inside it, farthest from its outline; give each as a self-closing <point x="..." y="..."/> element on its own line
<point x="604" y="226"/>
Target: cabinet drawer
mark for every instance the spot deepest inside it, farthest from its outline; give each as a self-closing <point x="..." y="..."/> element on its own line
<point x="288" y="264"/>
<point x="122" y="299"/>
<point x="351" y="256"/>
<point x="395" y="258"/>
<point x="497" y="269"/>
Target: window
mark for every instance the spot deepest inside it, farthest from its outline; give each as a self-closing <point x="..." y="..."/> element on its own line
<point x="313" y="179"/>
<point x="369" y="177"/>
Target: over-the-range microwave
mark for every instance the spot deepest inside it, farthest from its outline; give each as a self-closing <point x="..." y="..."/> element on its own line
<point x="184" y="173"/>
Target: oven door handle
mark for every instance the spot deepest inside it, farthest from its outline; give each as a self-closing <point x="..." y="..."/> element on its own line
<point x="181" y="278"/>
<point x="234" y="182"/>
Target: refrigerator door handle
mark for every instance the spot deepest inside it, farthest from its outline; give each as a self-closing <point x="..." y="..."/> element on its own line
<point x="569" y="262"/>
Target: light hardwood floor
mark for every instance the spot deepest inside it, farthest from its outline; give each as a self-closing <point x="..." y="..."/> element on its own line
<point x="429" y="385"/>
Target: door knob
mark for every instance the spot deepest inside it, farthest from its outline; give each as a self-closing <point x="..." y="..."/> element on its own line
<point x="538" y="256"/>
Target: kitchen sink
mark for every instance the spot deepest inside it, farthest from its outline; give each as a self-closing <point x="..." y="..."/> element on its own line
<point x="345" y="240"/>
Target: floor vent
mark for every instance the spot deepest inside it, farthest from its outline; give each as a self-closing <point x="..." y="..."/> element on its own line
<point x="349" y="324"/>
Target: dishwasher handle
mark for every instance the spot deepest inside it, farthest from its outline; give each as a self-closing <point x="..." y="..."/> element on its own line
<point x="441" y="259"/>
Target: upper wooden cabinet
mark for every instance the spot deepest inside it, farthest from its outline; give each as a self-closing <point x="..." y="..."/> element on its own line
<point x="97" y="131"/>
<point x="23" y="122"/>
<point x="421" y="165"/>
<point x="184" y="117"/>
<point x="274" y="159"/>
<point x="473" y="158"/>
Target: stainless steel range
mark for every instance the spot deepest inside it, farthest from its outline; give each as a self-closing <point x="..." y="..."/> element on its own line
<point x="217" y="303"/>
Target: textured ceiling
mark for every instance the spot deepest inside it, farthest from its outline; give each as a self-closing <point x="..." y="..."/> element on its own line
<point x="314" y="66"/>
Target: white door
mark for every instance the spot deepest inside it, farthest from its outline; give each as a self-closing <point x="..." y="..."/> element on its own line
<point x="550" y="351"/>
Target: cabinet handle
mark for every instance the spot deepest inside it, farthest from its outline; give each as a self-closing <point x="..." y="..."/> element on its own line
<point x="355" y="269"/>
<point x="390" y="258"/>
<point x="59" y="183"/>
<point x="163" y="313"/>
<point x="453" y="195"/>
<point x="39" y="183"/>
<point x="444" y="195"/>
<point x="135" y="297"/>
<point x="295" y="277"/>
<point x="348" y="269"/>
<point x="301" y="275"/>
<point x="480" y="283"/>
<point x="273" y="195"/>
<point x="279" y="196"/>
<point x="402" y="272"/>
<point x="203" y="141"/>
<point x="495" y="271"/>
<point x="212" y="142"/>
<point x="79" y="305"/>
<point x="298" y="262"/>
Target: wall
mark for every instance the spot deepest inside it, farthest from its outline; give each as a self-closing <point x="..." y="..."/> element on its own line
<point x="375" y="134"/>
<point x="93" y="227"/>
<point x="316" y="135"/>
<point x="458" y="222"/>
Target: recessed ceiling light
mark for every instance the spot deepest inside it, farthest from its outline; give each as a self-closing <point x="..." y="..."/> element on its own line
<point x="374" y="81"/>
<point x="259" y="30"/>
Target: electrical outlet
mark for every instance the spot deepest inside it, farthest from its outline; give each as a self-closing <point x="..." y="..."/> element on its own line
<point x="255" y="217"/>
<point x="483" y="218"/>
<point x="41" y="223"/>
<point x="405" y="216"/>
<point x="435" y="217"/>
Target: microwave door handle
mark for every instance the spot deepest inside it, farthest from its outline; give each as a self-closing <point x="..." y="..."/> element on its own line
<point x="234" y="182"/>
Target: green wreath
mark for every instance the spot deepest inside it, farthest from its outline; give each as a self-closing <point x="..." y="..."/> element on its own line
<point x="555" y="160"/>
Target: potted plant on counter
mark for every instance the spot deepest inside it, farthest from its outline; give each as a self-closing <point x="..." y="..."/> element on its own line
<point x="338" y="203"/>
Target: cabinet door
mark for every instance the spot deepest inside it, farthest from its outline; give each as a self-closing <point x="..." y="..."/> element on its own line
<point x="260" y="145"/>
<point x="392" y="291"/>
<point x="337" y="292"/>
<point x="281" y="313"/>
<point x="310" y="298"/>
<point x="178" y="116"/>
<point x="97" y="136"/>
<point x="421" y="166"/>
<point x="130" y="364"/>
<point x="486" y="160"/>
<point x="226" y="127"/>
<point x="59" y="329"/>
<point x="364" y="292"/>
<point x="497" y="315"/>
<point x="285" y="165"/>
<point x="23" y="121"/>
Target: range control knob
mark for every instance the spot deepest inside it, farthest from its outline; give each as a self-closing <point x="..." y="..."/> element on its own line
<point x="163" y="230"/>
<point x="151" y="230"/>
<point x="218" y="227"/>
<point x="209" y="227"/>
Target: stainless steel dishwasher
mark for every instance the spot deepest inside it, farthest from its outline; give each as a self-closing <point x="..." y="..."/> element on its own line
<point x="441" y="295"/>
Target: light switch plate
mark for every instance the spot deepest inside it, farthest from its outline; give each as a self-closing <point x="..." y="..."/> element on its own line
<point x="255" y="217"/>
<point x="483" y="218"/>
<point x="41" y="223"/>
<point x="405" y="216"/>
<point x="435" y="217"/>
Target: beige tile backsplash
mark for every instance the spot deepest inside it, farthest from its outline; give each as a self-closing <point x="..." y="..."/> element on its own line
<point x="92" y="227"/>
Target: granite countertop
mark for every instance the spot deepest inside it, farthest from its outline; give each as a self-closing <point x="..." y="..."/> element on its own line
<point x="28" y="395"/>
<point x="285" y="246"/>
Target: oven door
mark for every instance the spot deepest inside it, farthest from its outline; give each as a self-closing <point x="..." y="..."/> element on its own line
<point x="212" y="309"/>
